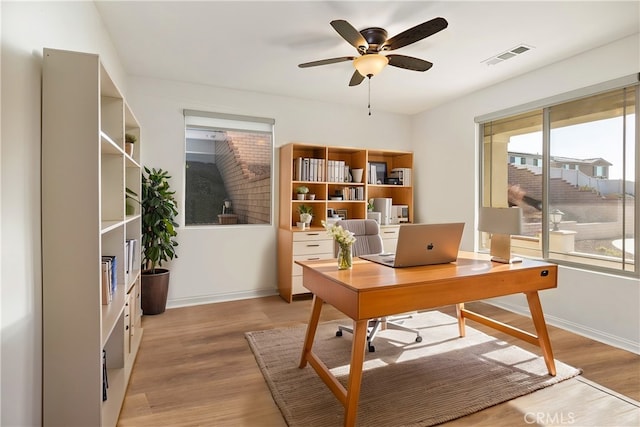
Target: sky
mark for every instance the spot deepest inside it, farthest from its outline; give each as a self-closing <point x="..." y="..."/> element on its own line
<point x="601" y="138"/>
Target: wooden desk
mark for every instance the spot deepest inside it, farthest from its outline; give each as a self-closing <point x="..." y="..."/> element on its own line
<point x="370" y="290"/>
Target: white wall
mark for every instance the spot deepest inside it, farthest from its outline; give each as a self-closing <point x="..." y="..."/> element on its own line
<point x="604" y="307"/>
<point x="237" y="261"/>
<point x="231" y="262"/>
<point x="28" y="27"/>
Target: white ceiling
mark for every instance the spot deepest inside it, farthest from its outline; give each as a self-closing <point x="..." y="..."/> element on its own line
<point x="256" y="46"/>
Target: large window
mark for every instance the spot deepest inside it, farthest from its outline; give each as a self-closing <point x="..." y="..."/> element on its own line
<point x="572" y="167"/>
<point x="228" y="169"/>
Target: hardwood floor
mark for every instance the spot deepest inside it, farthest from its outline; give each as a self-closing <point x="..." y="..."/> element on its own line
<point x="195" y="367"/>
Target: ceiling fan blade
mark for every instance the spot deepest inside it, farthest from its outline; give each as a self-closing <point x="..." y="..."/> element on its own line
<point x="326" y="61"/>
<point x="415" y="34"/>
<point x="356" y="79"/>
<point x="350" y="34"/>
<point x="409" y="62"/>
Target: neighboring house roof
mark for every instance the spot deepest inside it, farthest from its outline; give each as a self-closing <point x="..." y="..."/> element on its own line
<point x="597" y="161"/>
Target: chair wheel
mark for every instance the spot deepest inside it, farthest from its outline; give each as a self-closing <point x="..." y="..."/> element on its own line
<point x="418" y="339"/>
<point x="372" y="349"/>
<point x="338" y="333"/>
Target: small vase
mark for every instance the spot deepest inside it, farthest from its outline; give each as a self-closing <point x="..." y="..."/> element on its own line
<point x="345" y="258"/>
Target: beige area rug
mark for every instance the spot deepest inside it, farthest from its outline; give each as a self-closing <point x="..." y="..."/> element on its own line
<point x="404" y="383"/>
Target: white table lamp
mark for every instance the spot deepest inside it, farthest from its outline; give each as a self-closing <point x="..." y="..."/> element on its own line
<point x="501" y="223"/>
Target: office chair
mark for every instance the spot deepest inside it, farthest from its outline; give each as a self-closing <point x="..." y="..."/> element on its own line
<point x="368" y="241"/>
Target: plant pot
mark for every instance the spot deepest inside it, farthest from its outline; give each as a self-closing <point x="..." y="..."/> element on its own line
<point x="128" y="148"/>
<point x="154" y="290"/>
<point x="306" y="218"/>
<point x="300" y="196"/>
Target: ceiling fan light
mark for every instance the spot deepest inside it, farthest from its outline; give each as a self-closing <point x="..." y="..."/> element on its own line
<point x="370" y="64"/>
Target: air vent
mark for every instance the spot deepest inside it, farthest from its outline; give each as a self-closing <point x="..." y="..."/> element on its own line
<point x="518" y="50"/>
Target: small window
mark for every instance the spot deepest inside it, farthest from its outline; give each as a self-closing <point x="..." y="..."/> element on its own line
<point x="228" y="169"/>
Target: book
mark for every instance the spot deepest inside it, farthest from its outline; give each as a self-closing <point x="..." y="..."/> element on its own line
<point x="106" y="282"/>
<point x="105" y="380"/>
<point x="114" y="271"/>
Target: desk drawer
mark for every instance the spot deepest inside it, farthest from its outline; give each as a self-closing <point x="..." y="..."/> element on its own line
<point x="297" y="270"/>
<point x="312" y="247"/>
<point x="389" y="231"/>
<point x="304" y="236"/>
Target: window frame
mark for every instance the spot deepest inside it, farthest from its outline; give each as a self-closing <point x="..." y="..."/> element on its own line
<point x="631" y="81"/>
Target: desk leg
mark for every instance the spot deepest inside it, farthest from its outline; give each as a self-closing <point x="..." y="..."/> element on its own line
<point x="541" y="329"/>
<point x="355" y="372"/>
<point x="461" y="321"/>
<point x="311" y="330"/>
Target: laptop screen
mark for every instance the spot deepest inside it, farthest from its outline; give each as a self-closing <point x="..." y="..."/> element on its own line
<point x="424" y="244"/>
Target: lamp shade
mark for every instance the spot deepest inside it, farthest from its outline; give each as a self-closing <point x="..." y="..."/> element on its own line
<point x="370" y="64"/>
<point x="500" y="220"/>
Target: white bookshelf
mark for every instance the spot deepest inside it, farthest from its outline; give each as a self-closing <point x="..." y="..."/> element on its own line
<point x="84" y="175"/>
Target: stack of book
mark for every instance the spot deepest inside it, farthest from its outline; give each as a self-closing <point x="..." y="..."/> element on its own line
<point x="109" y="278"/>
<point x="308" y="169"/>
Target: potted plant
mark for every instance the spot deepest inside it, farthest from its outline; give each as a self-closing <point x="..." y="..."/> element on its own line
<point x="306" y="214"/>
<point x="129" y="140"/>
<point x="302" y="190"/>
<point x="158" y="233"/>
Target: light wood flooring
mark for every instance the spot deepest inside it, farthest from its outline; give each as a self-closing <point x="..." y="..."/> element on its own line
<point x="195" y="368"/>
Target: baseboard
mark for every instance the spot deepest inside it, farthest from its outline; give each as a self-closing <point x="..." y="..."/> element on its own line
<point x="208" y="299"/>
<point x="576" y="328"/>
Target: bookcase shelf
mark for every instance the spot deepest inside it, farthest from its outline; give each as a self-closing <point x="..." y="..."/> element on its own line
<point x="327" y="168"/>
<point x="85" y="172"/>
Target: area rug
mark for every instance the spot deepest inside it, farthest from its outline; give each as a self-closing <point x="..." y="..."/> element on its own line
<point x="404" y="383"/>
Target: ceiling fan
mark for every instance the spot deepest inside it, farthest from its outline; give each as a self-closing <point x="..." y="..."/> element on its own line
<point x="370" y="42"/>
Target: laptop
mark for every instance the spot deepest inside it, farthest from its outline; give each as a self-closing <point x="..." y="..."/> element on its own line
<point x="423" y="244"/>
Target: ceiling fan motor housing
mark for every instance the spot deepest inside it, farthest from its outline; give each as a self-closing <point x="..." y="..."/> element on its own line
<point x="375" y="36"/>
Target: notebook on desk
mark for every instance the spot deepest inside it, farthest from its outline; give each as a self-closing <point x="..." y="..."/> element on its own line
<point x="423" y="244"/>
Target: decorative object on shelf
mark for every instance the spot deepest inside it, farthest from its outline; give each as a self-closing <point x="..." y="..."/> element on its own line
<point x="378" y="172"/>
<point x="311" y="196"/>
<point x="158" y="233"/>
<point x="306" y="214"/>
<point x="370" y="205"/>
<point x="344" y="240"/>
<point x="347" y="174"/>
<point x="357" y="174"/>
<point x="302" y="190"/>
<point x="301" y="225"/>
<point x="342" y="213"/>
<point x="129" y="140"/>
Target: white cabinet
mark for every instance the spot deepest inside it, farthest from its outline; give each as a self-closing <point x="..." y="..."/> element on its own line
<point x="308" y="245"/>
<point x="85" y="174"/>
<point x="389" y="234"/>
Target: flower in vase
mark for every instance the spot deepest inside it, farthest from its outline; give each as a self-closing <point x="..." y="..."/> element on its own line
<point x="341" y="236"/>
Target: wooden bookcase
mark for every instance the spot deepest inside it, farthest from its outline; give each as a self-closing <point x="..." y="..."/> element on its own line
<point x="314" y="243"/>
<point x="85" y="172"/>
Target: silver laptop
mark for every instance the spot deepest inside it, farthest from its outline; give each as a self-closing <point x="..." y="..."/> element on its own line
<point x="423" y="244"/>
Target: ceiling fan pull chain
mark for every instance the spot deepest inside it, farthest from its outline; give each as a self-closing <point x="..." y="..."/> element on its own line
<point x="369" y="106"/>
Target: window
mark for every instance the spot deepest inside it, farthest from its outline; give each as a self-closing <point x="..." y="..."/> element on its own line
<point x="228" y="169"/>
<point x="579" y="203"/>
